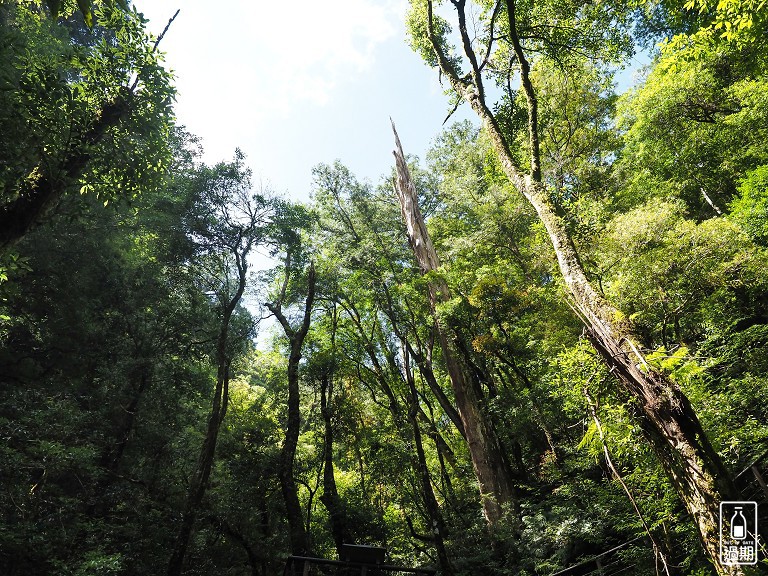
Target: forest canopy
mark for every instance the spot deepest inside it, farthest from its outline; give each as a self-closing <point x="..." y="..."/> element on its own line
<point x="540" y="349"/>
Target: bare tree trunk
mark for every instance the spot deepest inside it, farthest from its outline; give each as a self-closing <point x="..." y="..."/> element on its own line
<point x="695" y="469"/>
<point x="494" y="476"/>
<point x="298" y="534"/>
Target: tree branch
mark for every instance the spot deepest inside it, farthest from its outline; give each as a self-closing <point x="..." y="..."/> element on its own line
<point x="17" y="218"/>
<point x="491" y="26"/>
<point x="530" y="95"/>
<point x="468" y="50"/>
<point x="466" y="89"/>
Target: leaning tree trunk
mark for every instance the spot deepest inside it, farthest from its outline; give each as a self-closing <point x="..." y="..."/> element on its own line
<point x="667" y="417"/>
<point x="494" y="476"/>
<point x="20" y="215"/>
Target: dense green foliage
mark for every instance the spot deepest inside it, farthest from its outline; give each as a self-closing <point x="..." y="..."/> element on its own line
<point x="112" y="308"/>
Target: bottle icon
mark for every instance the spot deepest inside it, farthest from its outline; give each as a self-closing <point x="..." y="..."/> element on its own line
<point x="738" y="525"/>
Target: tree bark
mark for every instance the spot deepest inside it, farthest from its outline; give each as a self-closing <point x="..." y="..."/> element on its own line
<point x="670" y="422"/>
<point x="425" y="368"/>
<point x="199" y="481"/>
<point x="494" y="476"/>
<point x="298" y="535"/>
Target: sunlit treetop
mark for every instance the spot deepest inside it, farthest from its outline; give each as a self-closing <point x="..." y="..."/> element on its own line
<point x="740" y="21"/>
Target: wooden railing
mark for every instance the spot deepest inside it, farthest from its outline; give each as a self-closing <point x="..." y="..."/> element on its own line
<point x="752" y="482"/>
<point x="308" y="566"/>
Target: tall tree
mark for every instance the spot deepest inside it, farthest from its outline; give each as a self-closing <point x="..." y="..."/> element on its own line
<point x="226" y="221"/>
<point x="422" y="470"/>
<point x="510" y="34"/>
<point x="299" y="538"/>
<point x="100" y="351"/>
<point x="382" y="310"/>
<point x="330" y="498"/>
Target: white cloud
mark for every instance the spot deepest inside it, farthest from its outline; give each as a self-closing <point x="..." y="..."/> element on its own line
<point x="244" y="65"/>
<point x="313" y="46"/>
<point x="301" y="51"/>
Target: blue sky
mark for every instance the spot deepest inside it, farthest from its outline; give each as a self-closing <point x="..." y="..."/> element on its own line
<point x="295" y="84"/>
